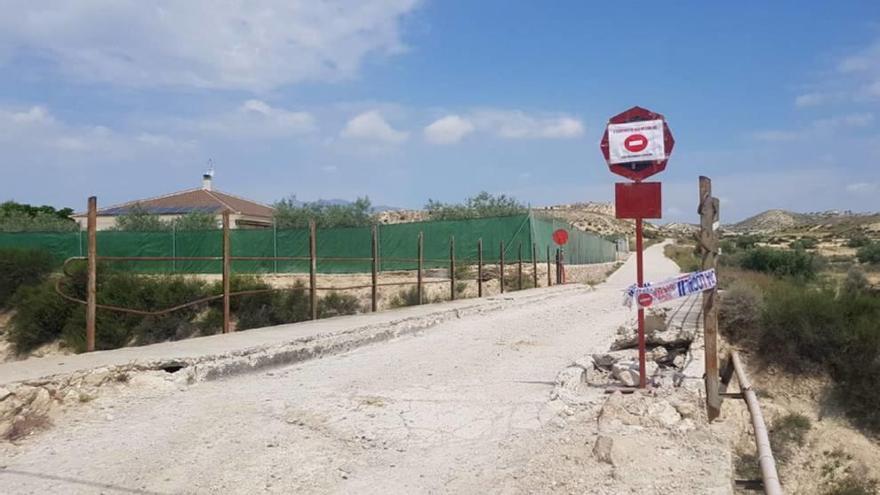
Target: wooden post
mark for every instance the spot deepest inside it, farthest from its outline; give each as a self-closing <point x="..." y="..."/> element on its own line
<point x="535" y="264"/>
<point x="708" y="211"/>
<point x="452" y="268"/>
<point x="519" y="261"/>
<point x="92" y="283"/>
<point x="313" y="269"/>
<point x="374" y="294"/>
<point x="501" y="264"/>
<point x="419" y="288"/>
<point x="226" y="274"/>
<point x="549" y="277"/>
<point x="480" y="268"/>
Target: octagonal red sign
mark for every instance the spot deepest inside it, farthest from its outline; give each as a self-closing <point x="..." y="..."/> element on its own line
<point x="637" y="143"/>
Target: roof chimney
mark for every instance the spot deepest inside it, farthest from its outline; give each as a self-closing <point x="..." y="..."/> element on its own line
<point x="207" y="179"/>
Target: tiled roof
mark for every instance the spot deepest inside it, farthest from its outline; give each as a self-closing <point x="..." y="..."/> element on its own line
<point x="193" y="200"/>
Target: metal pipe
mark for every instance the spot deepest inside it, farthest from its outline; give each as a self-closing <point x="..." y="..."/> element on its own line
<point x="762" y="438"/>
<point x="226" y="272"/>
<point x="92" y="280"/>
<point x="313" y="270"/>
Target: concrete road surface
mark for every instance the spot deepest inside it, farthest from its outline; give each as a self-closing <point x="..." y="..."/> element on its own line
<point x="442" y="411"/>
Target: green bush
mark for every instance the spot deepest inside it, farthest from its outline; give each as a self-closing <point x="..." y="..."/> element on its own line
<point x="338" y="304"/>
<point x="408" y="297"/>
<point x="869" y="253"/>
<point x="858" y="240"/>
<point x="739" y="318"/>
<point x="787" y="432"/>
<point x="20" y="267"/>
<point x="805" y="243"/>
<point x="781" y="263"/>
<point x="40" y="317"/>
<point x="804" y="327"/>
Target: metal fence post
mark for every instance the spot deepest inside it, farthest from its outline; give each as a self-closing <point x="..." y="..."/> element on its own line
<point x="92" y="287"/>
<point x="519" y="273"/>
<point x="480" y="268"/>
<point x="535" y="264"/>
<point x="452" y="268"/>
<point x="549" y="279"/>
<point x="274" y="246"/>
<point x="226" y="272"/>
<point x="313" y="269"/>
<point x="501" y="264"/>
<point x="174" y="247"/>
<point x="375" y="278"/>
<point x="421" y="263"/>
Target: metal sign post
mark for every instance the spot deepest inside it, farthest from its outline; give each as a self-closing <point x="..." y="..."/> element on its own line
<point x="636" y="145"/>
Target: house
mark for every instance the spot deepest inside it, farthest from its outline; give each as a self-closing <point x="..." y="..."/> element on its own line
<point x="244" y="213"/>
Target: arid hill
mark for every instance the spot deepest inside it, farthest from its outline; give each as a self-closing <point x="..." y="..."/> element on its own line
<point x="824" y="222"/>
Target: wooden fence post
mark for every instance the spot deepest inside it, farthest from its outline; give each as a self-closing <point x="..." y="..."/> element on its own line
<point x="501" y="264"/>
<point x="226" y="274"/>
<point x="375" y="285"/>
<point x="708" y="211"/>
<point x="92" y="283"/>
<point x="313" y="269"/>
<point x="535" y="265"/>
<point x="452" y="268"/>
<point x="519" y="262"/>
<point x="419" y="288"/>
<point x="480" y="268"/>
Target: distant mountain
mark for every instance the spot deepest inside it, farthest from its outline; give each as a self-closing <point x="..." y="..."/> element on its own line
<point x="832" y="221"/>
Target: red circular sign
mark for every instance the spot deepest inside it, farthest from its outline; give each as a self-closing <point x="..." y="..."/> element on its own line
<point x="645" y="300"/>
<point x="635" y="143"/>
<point x="560" y="236"/>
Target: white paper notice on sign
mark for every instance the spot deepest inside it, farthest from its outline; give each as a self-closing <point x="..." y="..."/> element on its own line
<point x="636" y="142"/>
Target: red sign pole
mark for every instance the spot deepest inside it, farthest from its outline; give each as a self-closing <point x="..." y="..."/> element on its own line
<point x="640" y="280"/>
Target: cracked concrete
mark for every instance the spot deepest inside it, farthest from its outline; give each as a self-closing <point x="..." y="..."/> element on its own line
<point x="461" y="407"/>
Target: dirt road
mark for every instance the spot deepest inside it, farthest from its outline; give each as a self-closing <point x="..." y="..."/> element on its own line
<point x="456" y="408"/>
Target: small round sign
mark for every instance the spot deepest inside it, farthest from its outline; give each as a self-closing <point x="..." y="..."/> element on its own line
<point x="645" y="300"/>
<point x="560" y="237"/>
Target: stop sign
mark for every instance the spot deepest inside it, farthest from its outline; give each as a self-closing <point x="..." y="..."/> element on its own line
<point x="637" y="143"/>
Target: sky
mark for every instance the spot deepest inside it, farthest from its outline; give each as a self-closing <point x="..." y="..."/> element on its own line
<point x="406" y="100"/>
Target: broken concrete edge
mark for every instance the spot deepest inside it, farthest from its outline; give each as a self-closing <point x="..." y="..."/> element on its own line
<point x="38" y="398"/>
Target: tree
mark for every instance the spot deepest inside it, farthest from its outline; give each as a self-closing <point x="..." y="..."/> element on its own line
<point x="196" y="221"/>
<point x="290" y="213"/>
<point x="138" y="219"/>
<point x="480" y="206"/>
<point x="19" y="217"/>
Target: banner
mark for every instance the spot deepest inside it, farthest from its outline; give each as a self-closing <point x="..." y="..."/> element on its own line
<point x="667" y="290"/>
<point x="636" y="142"/>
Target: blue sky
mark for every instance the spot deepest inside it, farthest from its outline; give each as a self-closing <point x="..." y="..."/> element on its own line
<point x="405" y="100"/>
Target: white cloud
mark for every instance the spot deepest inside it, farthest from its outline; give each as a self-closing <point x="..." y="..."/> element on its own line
<point x="203" y="43"/>
<point x="862" y="187"/>
<point x="372" y="126"/>
<point x="515" y="124"/>
<point x="449" y="129"/>
<point x="817" y="128"/>
<point x="811" y="99"/>
<point x="255" y="119"/>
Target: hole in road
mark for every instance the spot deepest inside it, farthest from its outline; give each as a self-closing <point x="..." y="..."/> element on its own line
<point x="172" y="368"/>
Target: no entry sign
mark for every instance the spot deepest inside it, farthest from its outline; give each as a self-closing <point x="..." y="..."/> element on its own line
<point x="636" y="142"/>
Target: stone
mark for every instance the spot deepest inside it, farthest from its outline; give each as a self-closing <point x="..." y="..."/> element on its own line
<point x="602" y="449"/>
<point x="687" y="410"/>
<point x="4" y="393"/>
<point x="663" y="412"/>
<point x="96" y="377"/>
<point x="626" y="372"/>
<point x="678" y="361"/>
<point x="41" y="402"/>
<point x="607" y="359"/>
<point x="659" y="354"/>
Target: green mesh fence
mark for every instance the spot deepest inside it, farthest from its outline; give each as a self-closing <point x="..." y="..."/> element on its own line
<point x="398" y="246"/>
